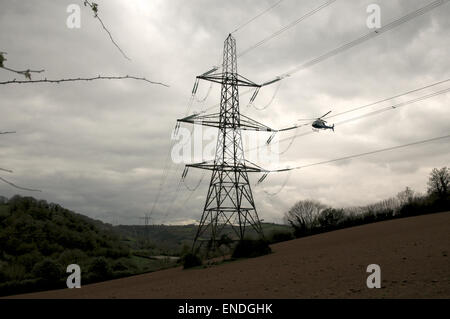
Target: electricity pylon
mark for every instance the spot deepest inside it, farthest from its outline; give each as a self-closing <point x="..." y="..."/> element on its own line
<point x="146" y="218"/>
<point x="229" y="200"/>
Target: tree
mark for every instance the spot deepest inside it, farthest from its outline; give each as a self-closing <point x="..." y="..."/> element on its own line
<point x="303" y="215"/>
<point x="439" y="182"/>
<point x="191" y="260"/>
<point x="100" y="269"/>
<point x="330" y="217"/>
<point x="406" y="196"/>
<point x="49" y="271"/>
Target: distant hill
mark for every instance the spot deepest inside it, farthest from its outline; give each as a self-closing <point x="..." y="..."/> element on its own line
<point x="173" y="240"/>
<point x="38" y="240"/>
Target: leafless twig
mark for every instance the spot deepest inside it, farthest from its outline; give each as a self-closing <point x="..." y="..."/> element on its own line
<point x="7" y="133"/>
<point x="83" y="79"/>
<point x="25" y="73"/>
<point x="94" y="7"/>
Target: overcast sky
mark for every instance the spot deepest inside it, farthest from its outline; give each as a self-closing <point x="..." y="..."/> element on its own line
<point x="100" y="148"/>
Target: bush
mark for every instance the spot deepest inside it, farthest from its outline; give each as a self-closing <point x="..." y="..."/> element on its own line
<point x="29" y="260"/>
<point x="225" y="240"/>
<point x="248" y="248"/>
<point x="330" y="218"/>
<point x="13" y="272"/>
<point x="49" y="271"/>
<point x="20" y="287"/>
<point x="426" y="205"/>
<point x="300" y="229"/>
<point x="278" y="237"/>
<point x="124" y="264"/>
<point x="191" y="260"/>
<point x="99" y="269"/>
<point x="72" y="256"/>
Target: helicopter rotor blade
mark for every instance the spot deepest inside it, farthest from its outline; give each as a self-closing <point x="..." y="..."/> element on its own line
<point x="326" y="114"/>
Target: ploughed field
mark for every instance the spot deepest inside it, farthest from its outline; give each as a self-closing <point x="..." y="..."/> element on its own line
<point x="412" y="253"/>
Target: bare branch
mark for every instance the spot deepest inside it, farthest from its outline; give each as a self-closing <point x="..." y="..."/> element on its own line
<point x="25" y="73"/>
<point x="7" y="133"/>
<point x="83" y="79"/>
<point x="94" y="7"/>
<point x="18" y="187"/>
<point x="5" y="170"/>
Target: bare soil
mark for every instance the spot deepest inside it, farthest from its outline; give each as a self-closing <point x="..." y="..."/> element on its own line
<point x="412" y="253"/>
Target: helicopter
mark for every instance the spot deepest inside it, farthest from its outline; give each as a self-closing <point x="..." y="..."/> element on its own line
<point x="320" y="123"/>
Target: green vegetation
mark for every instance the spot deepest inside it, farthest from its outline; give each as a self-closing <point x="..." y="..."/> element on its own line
<point x="280" y="236"/>
<point x="248" y="248"/>
<point x="173" y="240"/>
<point x="39" y="240"/>
<point x="191" y="260"/>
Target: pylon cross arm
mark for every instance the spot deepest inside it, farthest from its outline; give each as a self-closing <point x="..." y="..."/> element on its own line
<point x="214" y="120"/>
<point x="228" y="78"/>
<point x="241" y="167"/>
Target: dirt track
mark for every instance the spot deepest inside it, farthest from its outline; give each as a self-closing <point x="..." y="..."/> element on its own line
<point x="412" y="252"/>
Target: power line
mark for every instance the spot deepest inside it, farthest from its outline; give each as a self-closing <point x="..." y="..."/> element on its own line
<point x="172" y="203"/>
<point x="177" y="193"/>
<point x="174" y="199"/>
<point x="257" y="16"/>
<point x="396" y="106"/>
<point x="286" y="181"/>
<point x="193" y="189"/>
<point x="388" y="108"/>
<point x="19" y="187"/>
<point x="261" y="108"/>
<point x="356" y="42"/>
<point x="188" y="198"/>
<point x="164" y="177"/>
<point x="387" y="99"/>
<point x="287" y="27"/>
<point x="10" y="171"/>
<point x="366" y="37"/>
<point x="206" y="96"/>
<point x="168" y="164"/>
<point x="365" y="154"/>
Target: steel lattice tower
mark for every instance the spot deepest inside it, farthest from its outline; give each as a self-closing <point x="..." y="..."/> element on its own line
<point x="229" y="200"/>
